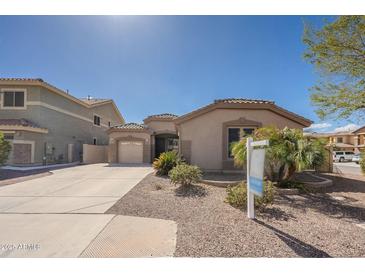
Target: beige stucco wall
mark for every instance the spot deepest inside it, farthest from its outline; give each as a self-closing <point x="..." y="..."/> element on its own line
<point x="327" y="165"/>
<point x="162" y="126"/>
<point x="346" y="139"/>
<point x="67" y="122"/>
<point x="205" y="133"/>
<point x="116" y="136"/>
<point x="93" y="154"/>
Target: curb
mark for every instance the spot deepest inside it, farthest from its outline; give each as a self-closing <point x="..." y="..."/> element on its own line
<point x="325" y="182"/>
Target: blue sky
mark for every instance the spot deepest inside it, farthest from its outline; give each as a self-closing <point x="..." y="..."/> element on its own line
<point x="156" y="64"/>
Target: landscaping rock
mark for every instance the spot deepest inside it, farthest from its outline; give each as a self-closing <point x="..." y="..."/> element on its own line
<point x="305" y="225"/>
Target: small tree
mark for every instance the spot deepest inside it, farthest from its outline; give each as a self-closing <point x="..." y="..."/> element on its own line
<point x="289" y="151"/>
<point x="4" y="149"/>
<point x="337" y="50"/>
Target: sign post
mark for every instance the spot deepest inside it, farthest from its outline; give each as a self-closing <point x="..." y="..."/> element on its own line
<point x="255" y="173"/>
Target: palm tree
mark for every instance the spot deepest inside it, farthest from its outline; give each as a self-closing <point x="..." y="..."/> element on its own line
<point x="289" y="151"/>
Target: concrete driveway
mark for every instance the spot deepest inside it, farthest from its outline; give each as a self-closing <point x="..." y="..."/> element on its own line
<point x="80" y="189"/>
<point x="62" y="216"/>
<point x="350" y="168"/>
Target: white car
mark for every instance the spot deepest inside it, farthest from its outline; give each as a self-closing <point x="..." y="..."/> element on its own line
<point x="342" y="156"/>
<point x="356" y="158"/>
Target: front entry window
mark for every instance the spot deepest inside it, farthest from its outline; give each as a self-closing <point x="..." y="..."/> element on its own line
<point x="172" y="144"/>
<point x="164" y="142"/>
<point x="235" y="134"/>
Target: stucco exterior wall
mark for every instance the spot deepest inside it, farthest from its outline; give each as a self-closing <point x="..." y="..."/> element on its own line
<point x="204" y="133"/>
<point x="67" y="123"/>
<point x="95" y="154"/>
<point x="162" y="126"/>
<point x="115" y="137"/>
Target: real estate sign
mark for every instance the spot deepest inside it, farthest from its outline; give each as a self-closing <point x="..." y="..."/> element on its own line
<point x="257" y="171"/>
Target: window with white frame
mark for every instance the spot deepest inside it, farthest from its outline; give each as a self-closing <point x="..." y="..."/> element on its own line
<point x="13" y="99"/>
<point x="235" y="134"/>
<point x="96" y="120"/>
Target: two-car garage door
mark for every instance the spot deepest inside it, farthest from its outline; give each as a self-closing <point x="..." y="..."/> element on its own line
<point x="130" y="152"/>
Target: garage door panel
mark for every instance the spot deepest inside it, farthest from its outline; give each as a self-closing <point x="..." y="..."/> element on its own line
<point x="130" y="152"/>
<point x="22" y="153"/>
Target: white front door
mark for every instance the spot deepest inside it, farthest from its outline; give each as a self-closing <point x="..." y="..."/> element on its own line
<point x="130" y="152"/>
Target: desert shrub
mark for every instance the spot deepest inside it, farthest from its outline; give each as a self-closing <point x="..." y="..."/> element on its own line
<point x="4" y="149"/>
<point x="362" y="164"/>
<point x="165" y="162"/>
<point x="237" y="195"/>
<point x="185" y="175"/>
<point x="158" y="186"/>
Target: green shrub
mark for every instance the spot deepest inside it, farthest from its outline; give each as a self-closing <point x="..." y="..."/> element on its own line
<point x="185" y="175"/>
<point x="237" y="195"/>
<point x="165" y="162"/>
<point x="4" y="149"/>
<point x="362" y="164"/>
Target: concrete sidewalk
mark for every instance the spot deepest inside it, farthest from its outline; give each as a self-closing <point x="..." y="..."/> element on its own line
<point x="85" y="235"/>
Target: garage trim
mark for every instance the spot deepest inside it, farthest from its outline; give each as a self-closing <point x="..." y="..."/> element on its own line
<point x="32" y="143"/>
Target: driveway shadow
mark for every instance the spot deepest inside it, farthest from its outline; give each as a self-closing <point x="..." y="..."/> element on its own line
<point x="300" y="248"/>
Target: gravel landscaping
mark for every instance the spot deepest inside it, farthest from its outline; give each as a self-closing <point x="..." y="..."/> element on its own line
<point x="322" y="224"/>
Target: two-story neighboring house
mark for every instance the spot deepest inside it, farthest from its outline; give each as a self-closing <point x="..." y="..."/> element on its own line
<point x="346" y="141"/>
<point x="48" y="125"/>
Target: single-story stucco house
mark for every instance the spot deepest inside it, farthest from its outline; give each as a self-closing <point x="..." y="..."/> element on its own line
<point x="202" y="137"/>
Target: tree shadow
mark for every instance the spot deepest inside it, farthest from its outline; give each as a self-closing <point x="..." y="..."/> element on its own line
<point x="341" y="183"/>
<point x="327" y="205"/>
<point x="300" y="248"/>
<point x="193" y="191"/>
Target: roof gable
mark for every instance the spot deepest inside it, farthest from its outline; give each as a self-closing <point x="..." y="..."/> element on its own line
<point x="240" y="103"/>
<point x="83" y="102"/>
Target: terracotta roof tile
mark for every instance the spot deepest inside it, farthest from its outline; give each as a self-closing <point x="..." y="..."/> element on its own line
<point x="163" y="116"/>
<point x="18" y="122"/>
<point x="242" y="101"/>
<point x="131" y="126"/>
<point x="93" y="101"/>
<point x="22" y="79"/>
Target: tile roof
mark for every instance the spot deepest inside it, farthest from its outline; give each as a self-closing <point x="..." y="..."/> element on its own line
<point x="18" y="122"/>
<point x="23" y="79"/>
<point x="93" y="101"/>
<point x="163" y="116"/>
<point x="242" y="101"/>
<point x="88" y="101"/>
<point x="131" y="126"/>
